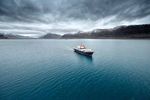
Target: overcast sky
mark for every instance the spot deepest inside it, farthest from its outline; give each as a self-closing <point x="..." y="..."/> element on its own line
<point x="68" y="16"/>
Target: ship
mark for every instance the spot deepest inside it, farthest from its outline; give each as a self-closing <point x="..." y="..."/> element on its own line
<point x="83" y="50"/>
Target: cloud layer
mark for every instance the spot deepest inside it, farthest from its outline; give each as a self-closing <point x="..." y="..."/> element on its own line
<point x="64" y="16"/>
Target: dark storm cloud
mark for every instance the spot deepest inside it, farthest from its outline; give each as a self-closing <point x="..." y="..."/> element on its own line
<point x="77" y="9"/>
<point x="62" y="16"/>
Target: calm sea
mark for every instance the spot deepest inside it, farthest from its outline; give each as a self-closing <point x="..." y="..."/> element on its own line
<point x="50" y="70"/>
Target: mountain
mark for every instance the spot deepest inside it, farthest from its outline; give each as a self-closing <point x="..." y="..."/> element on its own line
<point x="2" y="36"/>
<point x="12" y="36"/>
<point x="132" y="31"/>
<point x="50" y="36"/>
<point x="120" y="32"/>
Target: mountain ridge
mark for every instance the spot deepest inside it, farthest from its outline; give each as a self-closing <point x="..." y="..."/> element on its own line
<point x="119" y="32"/>
<point x="131" y="31"/>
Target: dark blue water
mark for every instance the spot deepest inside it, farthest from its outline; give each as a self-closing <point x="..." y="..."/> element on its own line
<point x="50" y="70"/>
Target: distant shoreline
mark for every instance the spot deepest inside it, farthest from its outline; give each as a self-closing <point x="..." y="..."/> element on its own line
<point x="120" y="32"/>
<point x="86" y="39"/>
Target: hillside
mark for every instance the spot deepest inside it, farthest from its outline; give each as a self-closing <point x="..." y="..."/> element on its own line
<point x="50" y="36"/>
<point x="133" y="31"/>
<point x="120" y="32"/>
<point x="2" y="36"/>
<point x="12" y="36"/>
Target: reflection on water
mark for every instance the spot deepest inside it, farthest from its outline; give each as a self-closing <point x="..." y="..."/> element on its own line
<point x="83" y="57"/>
